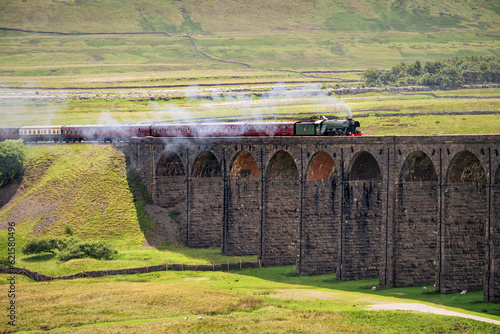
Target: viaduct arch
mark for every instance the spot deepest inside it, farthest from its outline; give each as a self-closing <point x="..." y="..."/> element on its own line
<point x="408" y="210"/>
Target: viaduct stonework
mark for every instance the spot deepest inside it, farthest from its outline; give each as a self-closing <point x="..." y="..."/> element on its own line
<point x="410" y="210"/>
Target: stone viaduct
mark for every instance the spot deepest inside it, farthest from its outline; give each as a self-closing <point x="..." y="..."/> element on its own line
<point x="410" y="210"/>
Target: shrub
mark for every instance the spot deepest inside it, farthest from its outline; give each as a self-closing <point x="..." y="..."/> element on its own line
<point x="12" y="160"/>
<point x="68" y="230"/>
<point x="69" y="248"/>
<point x="46" y="244"/>
<point x="4" y="262"/>
<point x="94" y="249"/>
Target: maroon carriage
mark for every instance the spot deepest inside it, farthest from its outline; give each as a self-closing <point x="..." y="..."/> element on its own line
<point x="9" y="132"/>
<point x="220" y="129"/>
<point x="74" y="133"/>
<point x="125" y="131"/>
<point x="173" y="130"/>
<point x="270" y="129"/>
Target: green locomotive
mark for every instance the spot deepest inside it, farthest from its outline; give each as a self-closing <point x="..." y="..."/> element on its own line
<point x="328" y="127"/>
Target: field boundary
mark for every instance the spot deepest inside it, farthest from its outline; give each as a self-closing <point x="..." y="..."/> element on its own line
<point x="131" y="271"/>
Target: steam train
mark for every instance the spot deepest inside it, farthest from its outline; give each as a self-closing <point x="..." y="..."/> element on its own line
<point x="104" y="133"/>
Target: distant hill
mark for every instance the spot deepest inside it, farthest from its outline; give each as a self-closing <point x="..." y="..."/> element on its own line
<point x="228" y="16"/>
<point x="232" y="42"/>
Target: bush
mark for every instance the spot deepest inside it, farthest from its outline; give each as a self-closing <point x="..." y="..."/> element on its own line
<point x="69" y="248"/>
<point x="94" y="249"/>
<point x="68" y="230"/>
<point x="12" y="160"/>
<point x="46" y="244"/>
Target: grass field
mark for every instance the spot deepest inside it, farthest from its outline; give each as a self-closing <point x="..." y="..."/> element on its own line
<point x="267" y="300"/>
<point x="389" y="114"/>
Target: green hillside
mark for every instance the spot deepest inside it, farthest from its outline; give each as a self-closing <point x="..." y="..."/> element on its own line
<point x="234" y="42"/>
<point x="223" y="16"/>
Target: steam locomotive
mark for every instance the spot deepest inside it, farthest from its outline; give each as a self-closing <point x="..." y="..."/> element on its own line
<point x="123" y="132"/>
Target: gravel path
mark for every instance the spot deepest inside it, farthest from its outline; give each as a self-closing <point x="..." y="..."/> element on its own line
<point x="416" y="307"/>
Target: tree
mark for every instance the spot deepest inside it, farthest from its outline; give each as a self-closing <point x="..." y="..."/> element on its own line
<point x="41" y="245"/>
<point x="12" y="160"/>
<point x="371" y="75"/>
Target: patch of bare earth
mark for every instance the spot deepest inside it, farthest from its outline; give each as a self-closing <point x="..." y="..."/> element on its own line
<point x="30" y="206"/>
<point x="166" y="229"/>
<point x="303" y="294"/>
<point x="417" y="307"/>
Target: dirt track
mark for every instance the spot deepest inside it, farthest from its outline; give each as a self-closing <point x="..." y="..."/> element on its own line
<point x="417" y="307"/>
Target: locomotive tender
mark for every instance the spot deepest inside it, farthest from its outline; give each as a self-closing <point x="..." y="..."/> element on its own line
<point x="123" y="132"/>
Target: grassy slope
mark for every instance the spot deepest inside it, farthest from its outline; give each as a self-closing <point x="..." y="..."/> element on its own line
<point x="265" y="300"/>
<point x="222" y="16"/>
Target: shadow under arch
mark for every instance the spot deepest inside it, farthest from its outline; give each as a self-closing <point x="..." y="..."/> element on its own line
<point x="242" y="235"/>
<point x="464" y="240"/>
<point x="415" y="259"/>
<point x="418" y="167"/>
<point x="364" y="166"/>
<point x="170" y="164"/>
<point x="465" y="167"/>
<point x="280" y="230"/>
<point x="320" y="217"/>
<point x="244" y="165"/>
<point x="282" y="166"/>
<point x="206" y="165"/>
